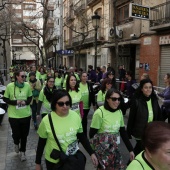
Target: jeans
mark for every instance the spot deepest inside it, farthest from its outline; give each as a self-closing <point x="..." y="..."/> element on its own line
<point x="84" y="120"/>
<point x="34" y="111"/>
<point x="20" y="130"/>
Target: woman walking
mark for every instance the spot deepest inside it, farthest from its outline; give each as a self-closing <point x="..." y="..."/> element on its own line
<point x="106" y="128"/>
<point x="18" y="96"/>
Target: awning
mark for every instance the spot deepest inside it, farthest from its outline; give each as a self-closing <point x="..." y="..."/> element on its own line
<point x="122" y="43"/>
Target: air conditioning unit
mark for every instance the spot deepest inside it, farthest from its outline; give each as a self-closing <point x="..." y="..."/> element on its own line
<point x="119" y="32"/>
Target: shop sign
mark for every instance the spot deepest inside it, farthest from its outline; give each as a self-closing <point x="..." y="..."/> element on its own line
<point x="164" y="40"/>
<point x="139" y="11"/>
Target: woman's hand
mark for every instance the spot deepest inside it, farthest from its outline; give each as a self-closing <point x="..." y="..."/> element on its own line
<point x="38" y="167"/>
<point x="94" y="160"/>
<point x="132" y="156"/>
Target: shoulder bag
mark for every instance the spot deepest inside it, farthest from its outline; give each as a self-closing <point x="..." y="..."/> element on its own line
<point x="71" y="162"/>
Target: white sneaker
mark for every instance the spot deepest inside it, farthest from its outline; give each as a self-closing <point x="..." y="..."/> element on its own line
<point x="17" y="148"/>
<point x="23" y="157"/>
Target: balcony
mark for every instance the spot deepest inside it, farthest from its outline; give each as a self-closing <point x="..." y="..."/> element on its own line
<point x="51" y="6"/>
<point x="160" y="17"/>
<point x="79" y="6"/>
<point x="92" y="2"/>
<point x="90" y="38"/>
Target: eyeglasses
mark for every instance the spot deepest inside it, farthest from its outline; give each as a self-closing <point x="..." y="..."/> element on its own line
<point x="61" y="104"/>
<point x="22" y="76"/>
<point x="51" y="81"/>
<point x="115" y="99"/>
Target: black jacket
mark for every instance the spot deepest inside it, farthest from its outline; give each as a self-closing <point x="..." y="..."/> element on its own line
<point x="138" y="116"/>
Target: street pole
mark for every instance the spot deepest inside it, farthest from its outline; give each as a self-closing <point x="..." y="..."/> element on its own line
<point x="95" y="56"/>
<point x="55" y="58"/>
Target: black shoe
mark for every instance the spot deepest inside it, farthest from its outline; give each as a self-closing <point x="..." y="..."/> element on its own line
<point x="35" y="126"/>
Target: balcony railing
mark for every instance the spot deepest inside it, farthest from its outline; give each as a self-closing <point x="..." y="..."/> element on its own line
<point x="90" y="37"/>
<point x="160" y="16"/>
<point x="90" y="2"/>
<point x="80" y="6"/>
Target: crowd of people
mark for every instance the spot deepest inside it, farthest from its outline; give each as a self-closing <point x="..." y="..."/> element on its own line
<point x="62" y="99"/>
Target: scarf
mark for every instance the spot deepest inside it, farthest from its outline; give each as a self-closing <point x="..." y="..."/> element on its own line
<point x="49" y="93"/>
<point x="19" y="85"/>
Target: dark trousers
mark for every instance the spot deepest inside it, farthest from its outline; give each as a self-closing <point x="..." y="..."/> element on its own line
<point x="20" y="130"/>
<point x="49" y="165"/>
<point x="84" y="120"/>
<point x="138" y="147"/>
<point x="168" y="117"/>
<point x="34" y="111"/>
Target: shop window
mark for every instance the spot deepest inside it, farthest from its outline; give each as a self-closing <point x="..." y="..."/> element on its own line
<point x="123" y="14"/>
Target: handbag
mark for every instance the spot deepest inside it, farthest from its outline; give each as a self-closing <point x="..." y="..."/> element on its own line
<point x="71" y="162"/>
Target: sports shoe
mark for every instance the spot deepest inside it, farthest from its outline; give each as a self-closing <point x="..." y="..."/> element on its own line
<point x="17" y="148"/>
<point x="23" y="157"/>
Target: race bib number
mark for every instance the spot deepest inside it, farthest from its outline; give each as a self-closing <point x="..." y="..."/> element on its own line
<point x="20" y="106"/>
<point x="75" y="106"/>
<point x="72" y="148"/>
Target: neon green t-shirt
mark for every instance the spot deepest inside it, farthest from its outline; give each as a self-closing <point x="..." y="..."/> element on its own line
<point x="76" y="98"/>
<point x="43" y="77"/>
<point x="150" y="111"/>
<point x="85" y="95"/>
<point x="110" y="122"/>
<point x="58" y="82"/>
<point x="12" y="92"/>
<point x="101" y="96"/>
<point x="46" y="106"/>
<point x="66" y="129"/>
<point x="38" y="75"/>
<point x="135" y="165"/>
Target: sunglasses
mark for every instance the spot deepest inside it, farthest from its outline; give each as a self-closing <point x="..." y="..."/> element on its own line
<point x="61" y="104"/>
<point x="23" y="76"/>
<point x="115" y="99"/>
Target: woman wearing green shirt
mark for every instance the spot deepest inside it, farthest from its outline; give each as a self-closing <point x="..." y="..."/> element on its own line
<point x="43" y="74"/>
<point x="144" y="108"/>
<point x="106" y="85"/>
<point x="58" y="80"/>
<point x="156" y="154"/>
<point x="106" y="128"/>
<point x="87" y="98"/>
<point x="18" y="96"/>
<point x="68" y="129"/>
<point x="75" y="93"/>
<point x="45" y="98"/>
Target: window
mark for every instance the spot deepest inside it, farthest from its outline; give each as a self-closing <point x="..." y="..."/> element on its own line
<point x="31" y="7"/>
<point x="18" y="15"/>
<point x="17" y="48"/>
<point x="123" y="14"/>
<point x="15" y="6"/>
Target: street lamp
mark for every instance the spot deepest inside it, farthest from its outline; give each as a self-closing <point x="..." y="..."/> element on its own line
<point x="95" y="23"/>
<point x="55" y="41"/>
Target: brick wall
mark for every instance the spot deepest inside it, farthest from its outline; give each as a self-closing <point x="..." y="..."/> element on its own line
<point x="150" y="54"/>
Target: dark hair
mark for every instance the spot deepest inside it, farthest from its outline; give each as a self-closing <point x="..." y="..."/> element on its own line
<point x="58" y="94"/>
<point x="17" y="73"/>
<point x="168" y="75"/>
<point x="108" y="94"/>
<point x="155" y="135"/>
<point x="129" y="73"/>
<point x="109" y="72"/>
<point x="31" y="74"/>
<point x="139" y="92"/>
<point x="59" y="75"/>
<point x="44" y="71"/>
<point x="90" y="67"/>
<point x="49" y="77"/>
<point x="83" y="73"/>
<point x="98" y="69"/>
<point x="105" y="81"/>
<point x="68" y="83"/>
